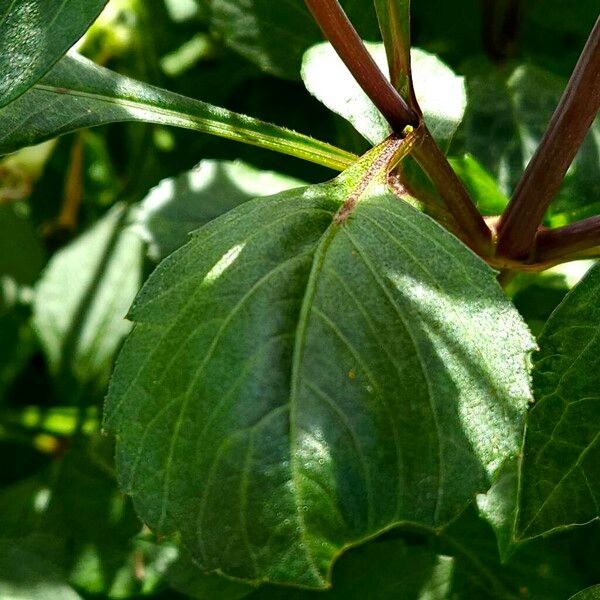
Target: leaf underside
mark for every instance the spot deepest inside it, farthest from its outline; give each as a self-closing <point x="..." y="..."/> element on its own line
<point x="560" y="473"/>
<point x="380" y="378"/>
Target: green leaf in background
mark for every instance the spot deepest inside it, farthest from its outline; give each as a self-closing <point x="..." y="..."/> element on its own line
<point x="75" y="502"/>
<point x="559" y="482"/>
<point x="538" y="570"/>
<point x="329" y="306"/>
<point x="77" y="93"/>
<point x="178" y="206"/>
<point x="21" y="251"/>
<point x="83" y="296"/>
<point x="274" y="35"/>
<point x="440" y="92"/>
<point x="504" y="123"/>
<point x="35" y="34"/>
<point x="591" y="593"/>
<point x="28" y="571"/>
<point x="482" y="187"/>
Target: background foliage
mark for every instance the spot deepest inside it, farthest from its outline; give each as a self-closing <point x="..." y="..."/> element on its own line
<point x="85" y="218"/>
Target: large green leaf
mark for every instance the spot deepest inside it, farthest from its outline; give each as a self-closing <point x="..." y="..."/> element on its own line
<point x="77" y="93"/>
<point x="381" y="377"/>
<point x="560" y="476"/>
<point x="441" y="93"/>
<point x="179" y="205"/>
<point x="274" y="35"/>
<point x="83" y="296"/>
<point x="34" y="34"/>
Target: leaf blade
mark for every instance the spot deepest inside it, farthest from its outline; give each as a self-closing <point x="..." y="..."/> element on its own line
<point x="78" y="93"/>
<point x="34" y="35"/>
<point x="309" y="430"/>
<point x="558" y="481"/>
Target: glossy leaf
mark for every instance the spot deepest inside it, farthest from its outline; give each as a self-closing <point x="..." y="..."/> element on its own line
<point x="560" y="478"/>
<point x="34" y="34"/>
<point x="362" y="398"/>
<point x="83" y="297"/>
<point x="77" y="93"/>
<point x="440" y="92"/>
<point x="178" y="206"/>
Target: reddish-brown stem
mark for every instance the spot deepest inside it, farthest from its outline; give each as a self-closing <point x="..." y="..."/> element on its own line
<point x="336" y="27"/>
<point x="546" y="170"/>
<point x="568" y="240"/>
<point x="456" y="198"/>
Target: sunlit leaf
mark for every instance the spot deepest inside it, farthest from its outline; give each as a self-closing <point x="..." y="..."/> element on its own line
<point x="77" y="93"/>
<point x="178" y="206"/>
<point x="83" y="297"/>
<point x="440" y="92"/>
<point x="361" y="399"/>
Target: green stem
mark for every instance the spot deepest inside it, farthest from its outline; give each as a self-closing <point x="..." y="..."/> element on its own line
<point x="394" y="24"/>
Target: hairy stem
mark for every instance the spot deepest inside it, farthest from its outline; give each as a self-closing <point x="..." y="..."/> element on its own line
<point x="546" y="170"/>
<point x="568" y="240"/>
<point x="456" y="198"/>
<point x="343" y="37"/>
<point x="336" y="27"/>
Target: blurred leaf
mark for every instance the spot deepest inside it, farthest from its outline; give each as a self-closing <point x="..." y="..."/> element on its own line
<point x="21" y="252"/>
<point x="440" y="92"/>
<point x="560" y="478"/>
<point x="274" y="35"/>
<point x="34" y="34"/>
<point x="482" y="187"/>
<point x="77" y="93"/>
<point x="76" y="501"/>
<point x="182" y="204"/>
<point x="360" y="457"/>
<point x="83" y="297"/>
<point x="28" y="571"/>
